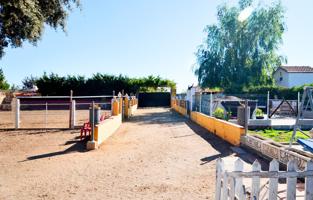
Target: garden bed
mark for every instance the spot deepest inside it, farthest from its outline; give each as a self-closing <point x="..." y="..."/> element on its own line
<point x="279" y="135"/>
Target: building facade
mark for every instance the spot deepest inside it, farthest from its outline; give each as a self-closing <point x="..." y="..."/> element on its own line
<point x="290" y="76"/>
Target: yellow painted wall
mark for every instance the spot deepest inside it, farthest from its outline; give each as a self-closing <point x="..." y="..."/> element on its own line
<point x="179" y="109"/>
<point x="106" y="128"/>
<point x="223" y="129"/>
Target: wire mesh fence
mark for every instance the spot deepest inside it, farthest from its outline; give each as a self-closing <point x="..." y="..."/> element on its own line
<point x="52" y="112"/>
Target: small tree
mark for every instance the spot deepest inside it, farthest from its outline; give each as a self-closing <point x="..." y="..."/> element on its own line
<point x="29" y="82"/>
<point x="4" y="85"/>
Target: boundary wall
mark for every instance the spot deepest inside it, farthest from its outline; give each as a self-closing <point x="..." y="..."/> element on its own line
<point x="227" y="131"/>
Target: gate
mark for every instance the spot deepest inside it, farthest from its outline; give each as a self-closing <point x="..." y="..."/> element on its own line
<point x="154" y="99"/>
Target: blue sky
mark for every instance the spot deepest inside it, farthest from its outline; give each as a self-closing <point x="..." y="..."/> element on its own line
<point x="140" y="38"/>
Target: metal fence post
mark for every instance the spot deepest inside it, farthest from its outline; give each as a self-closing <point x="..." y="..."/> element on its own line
<point x="200" y="102"/>
<point x="46" y="115"/>
<point x="93" y="122"/>
<point x="268" y="104"/>
<point x="73" y="114"/>
<point x="246" y="116"/>
<point x="17" y="114"/>
<point x="211" y="104"/>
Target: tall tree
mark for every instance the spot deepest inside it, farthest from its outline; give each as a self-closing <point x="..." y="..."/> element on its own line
<point x="241" y="52"/>
<point x="3" y="83"/>
<point x="24" y="20"/>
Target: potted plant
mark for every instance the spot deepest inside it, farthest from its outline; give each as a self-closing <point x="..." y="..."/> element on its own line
<point x="219" y="113"/>
<point x="259" y="114"/>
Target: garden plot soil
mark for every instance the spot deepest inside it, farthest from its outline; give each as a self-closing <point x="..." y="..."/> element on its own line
<point x="157" y="154"/>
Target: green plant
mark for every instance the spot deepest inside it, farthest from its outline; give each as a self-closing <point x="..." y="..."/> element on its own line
<point x="219" y="113"/>
<point x="259" y="112"/>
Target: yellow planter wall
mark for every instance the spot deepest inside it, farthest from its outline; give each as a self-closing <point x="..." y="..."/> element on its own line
<point x="106" y="128"/>
<point x="223" y="129"/>
<point x="179" y="109"/>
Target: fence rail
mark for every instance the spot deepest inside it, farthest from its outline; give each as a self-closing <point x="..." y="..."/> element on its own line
<point x="229" y="185"/>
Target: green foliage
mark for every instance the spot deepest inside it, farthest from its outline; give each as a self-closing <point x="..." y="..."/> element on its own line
<point x="219" y="113"/>
<point x="29" y="82"/>
<point x="22" y="20"/>
<point x="259" y="112"/>
<point x="4" y="85"/>
<point x="98" y="84"/>
<point x="278" y="135"/>
<point x="275" y="91"/>
<point x="241" y="54"/>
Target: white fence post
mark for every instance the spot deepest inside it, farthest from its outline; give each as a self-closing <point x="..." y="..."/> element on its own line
<point x="309" y="182"/>
<point x="229" y="184"/>
<point x="225" y="186"/>
<point x="73" y="114"/>
<point x="238" y="182"/>
<point x="255" y="188"/>
<point x="273" y="182"/>
<point x="219" y="170"/>
<point x="291" y="182"/>
<point x="17" y="114"/>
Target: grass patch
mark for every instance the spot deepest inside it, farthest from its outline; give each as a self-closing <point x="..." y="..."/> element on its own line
<point x="280" y="135"/>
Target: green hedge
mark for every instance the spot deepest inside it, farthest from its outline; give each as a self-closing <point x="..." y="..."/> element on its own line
<point x="275" y="91"/>
<point x="98" y="84"/>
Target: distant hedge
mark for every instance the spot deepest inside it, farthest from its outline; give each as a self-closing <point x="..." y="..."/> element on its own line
<point x="275" y="91"/>
<point x="98" y="84"/>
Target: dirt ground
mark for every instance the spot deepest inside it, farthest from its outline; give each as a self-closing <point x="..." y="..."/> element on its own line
<point x="157" y="154"/>
<point x="43" y="119"/>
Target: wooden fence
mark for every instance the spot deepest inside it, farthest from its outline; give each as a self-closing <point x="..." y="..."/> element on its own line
<point x="230" y="185"/>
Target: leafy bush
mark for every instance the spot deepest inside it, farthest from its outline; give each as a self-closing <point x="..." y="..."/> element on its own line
<point x="219" y="113"/>
<point x="259" y="112"/>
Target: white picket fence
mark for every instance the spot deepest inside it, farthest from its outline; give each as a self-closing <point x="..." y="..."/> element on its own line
<point x="229" y="185"/>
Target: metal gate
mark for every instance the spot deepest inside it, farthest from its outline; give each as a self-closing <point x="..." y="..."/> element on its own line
<point x="154" y="99"/>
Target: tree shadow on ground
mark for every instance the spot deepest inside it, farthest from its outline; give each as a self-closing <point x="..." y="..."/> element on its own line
<point x="78" y="146"/>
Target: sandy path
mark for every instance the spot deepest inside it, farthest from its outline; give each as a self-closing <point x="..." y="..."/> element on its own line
<point x="156" y="155"/>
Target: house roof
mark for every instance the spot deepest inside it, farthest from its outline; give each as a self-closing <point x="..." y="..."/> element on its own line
<point x="297" y="69"/>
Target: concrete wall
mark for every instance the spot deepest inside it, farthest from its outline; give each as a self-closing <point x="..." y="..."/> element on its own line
<point x="273" y="150"/>
<point x="227" y="131"/>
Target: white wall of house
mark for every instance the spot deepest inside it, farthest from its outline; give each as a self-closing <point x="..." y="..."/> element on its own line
<point x="292" y="79"/>
<point x="298" y="79"/>
<point x="281" y="77"/>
